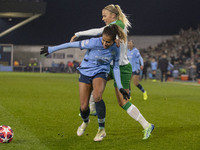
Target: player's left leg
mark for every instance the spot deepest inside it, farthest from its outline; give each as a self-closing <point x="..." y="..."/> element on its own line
<point x="134" y="112"/>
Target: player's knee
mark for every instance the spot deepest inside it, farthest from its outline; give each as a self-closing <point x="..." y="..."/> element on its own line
<point x="84" y="106"/>
<point x="97" y="96"/>
<point x="136" y="83"/>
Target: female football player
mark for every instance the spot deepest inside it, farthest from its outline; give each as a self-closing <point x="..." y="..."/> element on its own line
<point x="94" y="70"/>
<point x="112" y="14"/>
<point x="154" y="66"/>
<point x="137" y="64"/>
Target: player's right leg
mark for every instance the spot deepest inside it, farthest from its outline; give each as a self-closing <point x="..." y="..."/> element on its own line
<point x="84" y="92"/>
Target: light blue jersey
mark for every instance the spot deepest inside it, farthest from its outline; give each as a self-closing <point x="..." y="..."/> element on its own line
<point x="96" y="59"/>
<point x="154" y="65"/>
<point x="135" y="59"/>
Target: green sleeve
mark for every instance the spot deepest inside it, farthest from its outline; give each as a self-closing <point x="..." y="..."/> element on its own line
<point x="120" y="24"/>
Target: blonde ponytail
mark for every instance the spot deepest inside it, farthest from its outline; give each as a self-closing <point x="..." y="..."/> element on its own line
<point x="123" y="17"/>
<point x="119" y="14"/>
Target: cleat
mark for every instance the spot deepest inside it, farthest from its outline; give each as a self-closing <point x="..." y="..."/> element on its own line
<point x="130" y="98"/>
<point x="82" y="128"/>
<point x="145" y="95"/>
<point x="100" y="135"/>
<point x="154" y="80"/>
<point x="147" y="131"/>
<point x="93" y="113"/>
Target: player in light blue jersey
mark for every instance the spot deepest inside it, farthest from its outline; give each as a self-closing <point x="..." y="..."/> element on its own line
<point x="154" y="66"/>
<point x="112" y="14"/>
<point x="137" y="64"/>
<point x="94" y="70"/>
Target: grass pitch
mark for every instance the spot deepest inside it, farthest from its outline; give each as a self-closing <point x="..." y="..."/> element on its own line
<point x="43" y="109"/>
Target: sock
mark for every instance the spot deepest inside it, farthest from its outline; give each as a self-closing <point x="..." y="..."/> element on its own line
<point x="101" y="113"/>
<point x="135" y="114"/>
<point x="85" y="115"/>
<point x="92" y="103"/>
<point x="140" y="87"/>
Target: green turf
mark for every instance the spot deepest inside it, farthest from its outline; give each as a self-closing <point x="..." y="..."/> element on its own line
<point x="43" y="111"/>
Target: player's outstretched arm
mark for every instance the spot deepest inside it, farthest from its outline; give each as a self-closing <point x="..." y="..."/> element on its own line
<point x="91" y="32"/>
<point x="46" y="50"/>
<point x="74" y="38"/>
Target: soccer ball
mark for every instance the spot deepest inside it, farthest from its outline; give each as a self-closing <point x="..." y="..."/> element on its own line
<point x="6" y="134"/>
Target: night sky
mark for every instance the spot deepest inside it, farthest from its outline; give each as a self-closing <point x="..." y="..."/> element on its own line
<point x="65" y="17"/>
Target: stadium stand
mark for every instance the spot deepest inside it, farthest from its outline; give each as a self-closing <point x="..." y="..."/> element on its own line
<point x="183" y="51"/>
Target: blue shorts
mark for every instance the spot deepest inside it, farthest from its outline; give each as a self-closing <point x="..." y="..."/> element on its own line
<point x="137" y="72"/>
<point x="88" y="80"/>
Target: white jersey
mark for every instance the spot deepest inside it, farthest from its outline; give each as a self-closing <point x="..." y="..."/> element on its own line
<point x="98" y="31"/>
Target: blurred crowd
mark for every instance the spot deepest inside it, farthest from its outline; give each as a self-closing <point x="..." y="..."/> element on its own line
<point x="70" y="67"/>
<point x="183" y="52"/>
<point x="33" y="65"/>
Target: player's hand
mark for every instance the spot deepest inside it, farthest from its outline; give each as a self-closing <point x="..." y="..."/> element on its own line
<point x="44" y="51"/>
<point x="124" y="93"/>
<point x="141" y="67"/>
<point x="74" y="38"/>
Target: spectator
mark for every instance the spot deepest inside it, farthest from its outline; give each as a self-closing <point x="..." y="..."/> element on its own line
<point x="16" y="63"/>
<point x="76" y="64"/>
<point x="163" y="66"/>
<point x="180" y="49"/>
<point x="154" y="66"/>
<point x="70" y="66"/>
<point x="192" y="71"/>
<point x="170" y="69"/>
<point x="61" y="66"/>
<point x="146" y="66"/>
<point x="198" y="69"/>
